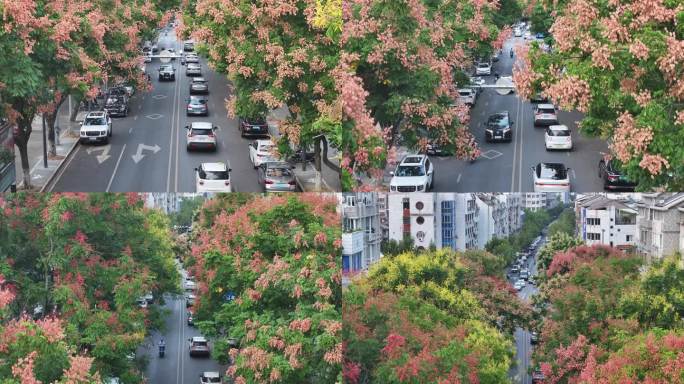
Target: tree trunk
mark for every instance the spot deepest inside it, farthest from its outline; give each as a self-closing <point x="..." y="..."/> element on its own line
<point x="75" y="108"/>
<point x="21" y="137"/>
<point x="51" y="118"/>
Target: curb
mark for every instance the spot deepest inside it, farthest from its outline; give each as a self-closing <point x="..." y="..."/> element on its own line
<point x="60" y="166"/>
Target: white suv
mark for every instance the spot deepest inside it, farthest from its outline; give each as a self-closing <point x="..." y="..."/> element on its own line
<point x="201" y="136"/>
<point x="467" y="96"/>
<point x="96" y="127"/>
<point x="414" y="174"/>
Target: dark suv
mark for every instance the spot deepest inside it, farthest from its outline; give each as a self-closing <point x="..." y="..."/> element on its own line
<point x="117" y="105"/>
<point x="499" y="127"/>
<point x="167" y="72"/>
<point x="253" y="127"/>
<point x="612" y="176"/>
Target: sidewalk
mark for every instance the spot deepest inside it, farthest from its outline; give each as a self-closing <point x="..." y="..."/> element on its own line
<point x="309" y="180"/>
<point x="41" y="176"/>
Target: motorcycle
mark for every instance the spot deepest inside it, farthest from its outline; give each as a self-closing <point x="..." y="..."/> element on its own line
<point x="511" y="53"/>
<point x="162" y="348"/>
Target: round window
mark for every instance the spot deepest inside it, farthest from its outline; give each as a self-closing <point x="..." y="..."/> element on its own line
<point x="420" y="220"/>
<point x="419" y="205"/>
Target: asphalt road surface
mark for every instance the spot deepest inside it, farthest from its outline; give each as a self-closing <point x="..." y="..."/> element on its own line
<point x="523" y="344"/>
<point x="505" y="167"/>
<point x="147" y="151"/>
<point x="176" y="367"/>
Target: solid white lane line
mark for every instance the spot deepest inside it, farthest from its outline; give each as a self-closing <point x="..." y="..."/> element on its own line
<point x="177" y="136"/>
<point x="130" y="130"/>
<point x="522" y="142"/>
<point x="61" y="172"/>
<point x="173" y="115"/>
<point x="516" y="133"/>
<point x="115" y="168"/>
<point x="458" y="180"/>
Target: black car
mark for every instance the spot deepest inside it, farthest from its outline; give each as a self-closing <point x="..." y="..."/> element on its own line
<point x="499" y="127"/>
<point x="167" y="72"/>
<point x="253" y="127"/>
<point x="534" y="337"/>
<point x="612" y="176"/>
<point x="199" y="85"/>
<point x="197" y="105"/>
<point x="188" y="46"/>
<point x="117" y="105"/>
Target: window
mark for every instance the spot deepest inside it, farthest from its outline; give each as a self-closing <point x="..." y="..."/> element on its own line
<point x="593" y="236"/>
<point x="629" y="238"/>
<point x="420" y="205"/>
<point x="420" y="220"/>
<point x="593" y="221"/>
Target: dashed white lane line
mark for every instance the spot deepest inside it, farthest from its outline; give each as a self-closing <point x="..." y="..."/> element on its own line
<point x="458" y="180"/>
<point x="115" y="168"/>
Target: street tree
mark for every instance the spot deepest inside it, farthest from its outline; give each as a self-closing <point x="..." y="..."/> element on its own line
<point x="558" y="242"/>
<point x="269" y="281"/>
<point x="620" y="63"/>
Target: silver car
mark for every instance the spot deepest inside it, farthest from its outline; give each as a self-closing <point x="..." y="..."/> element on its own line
<point x="277" y="176"/>
<point x="193" y="69"/>
<point x="201" y="136"/>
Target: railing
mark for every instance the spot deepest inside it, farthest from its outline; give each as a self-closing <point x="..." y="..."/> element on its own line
<point x="7" y="176"/>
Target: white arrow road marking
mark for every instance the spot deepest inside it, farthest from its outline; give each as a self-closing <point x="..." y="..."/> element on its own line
<point x="458" y="180"/>
<point x="105" y="153"/>
<point x="139" y="156"/>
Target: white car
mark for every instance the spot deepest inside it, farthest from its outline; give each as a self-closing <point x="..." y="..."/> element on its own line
<point x="545" y="114"/>
<point x="210" y="377"/>
<point x="213" y="177"/>
<point x="201" y="136"/>
<point x="142" y="303"/>
<point x="520" y="284"/>
<point x="483" y="69"/>
<point x="190" y="285"/>
<point x="414" y="174"/>
<point x="517" y="32"/>
<point x="558" y="137"/>
<point x="467" y="96"/>
<point x="96" y="127"/>
<point x="551" y="177"/>
<point x="261" y="151"/>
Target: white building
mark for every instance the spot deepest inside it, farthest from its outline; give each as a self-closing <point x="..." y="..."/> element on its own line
<point x="602" y="220"/>
<point x="493" y="217"/>
<point x="443" y="220"/>
<point x="659" y="224"/>
<point x="362" y="233"/>
<point x="515" y="211"/>
<point x="534" y="200"/>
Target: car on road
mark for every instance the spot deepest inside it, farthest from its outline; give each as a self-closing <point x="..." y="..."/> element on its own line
<point x="539" y="98"/>
<point x="142" y="303"/>
<point x="498" y="127"/>
<point x="261" y="151"/>
<point x="255" y="127"/>
<point x="277" y="176"/>
<point x="188" y="46"/>
<point x="148" y="57"/>
<point x="467" y="96"/>
<point x="96" y="127"/>
<point x="171" y="52"/>
<point x="558" y="137"/>
<point x="197" y="105"/>
<point x="117" y="105"/>
<point x="155" y="48"/>
<point x="551" y="177"/>
<point x="538" y="377"/>
<point x="483" y="68"/>
<point x="201" y="136"/>
<point x="613" y="177"/>
<point x="519" y="285"/>
<point x="167" y="72"/>
<point x="199" y="85"/>
<point x="517" y="32"/>
<point x="199" y="346"/>
<point x="190" y="58"/>
<point x="534" y="337"/>
<point x="190" y="300"/>
<point x="524" y="274"/>
<point x="191" y="320"/>
<point x="415" y="173"/>
<point x="545" y="114"/>
<point x="515" y="269"/>
<point x="149" y="297"/>
<point x="213" y="177"/>
<point x="210" y="377"/>
<point x="193" y="69"/>
<point x="190" y="285"/>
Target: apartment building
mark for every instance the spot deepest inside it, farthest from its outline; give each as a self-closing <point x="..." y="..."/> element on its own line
<point x="166" y="202"/>
<point x="493" y="217"/>
<point x="608" y="221"/>
<point x="362" y="232"/>
<point x="534" y="201"/>
<point x="659" y="224"/>
<point x="466" y="218"/>
<point x="515" y="211"/>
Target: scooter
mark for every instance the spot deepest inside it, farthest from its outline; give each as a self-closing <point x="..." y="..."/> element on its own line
<point x="511" y="53"/>
<point x="162" y="348"/>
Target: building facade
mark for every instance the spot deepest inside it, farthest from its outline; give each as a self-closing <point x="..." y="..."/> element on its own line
<point x="493" y="217"/>
<point x="659" y="224"/>
<point x="606" y="221"/>
<point x="534" y="201"/>
<point x="362" y="233"/>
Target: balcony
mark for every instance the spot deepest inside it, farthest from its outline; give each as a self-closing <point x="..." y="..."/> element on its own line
<point x="358" y="211"/>
<point x="373" y="237"/>
<point x="646" y="224"/>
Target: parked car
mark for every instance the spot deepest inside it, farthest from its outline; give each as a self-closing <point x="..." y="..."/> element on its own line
<point x="545" y="114"/>
<point x="142" y="303"/>
<point x="558" y="137"/>
<point x="190" y="300"/>
<point x="210" y="377"/>
<point x="539" y="35"/>
<point x="190" y="285"/>
<point x="148" y="56"/>
<point x="539" y="98"/>
<point x="201" y="136"/>
<point x="515" y="269"/>
<point x="197" y="105"/>
<point x="96" y="127"/>
<point x="612" y="176"/>
<point x="483" y="68"/>
<point x="498" y="127"/>
<point x="199" y="346"/>
<point x="253" y="127"/>
<point x="117" y="105"/>
<point x="436" y="149"/>
<point x="193" y="69"/>
<point x="199" y="85"/>
<point x="167" y="72"/>
<point x="191" y="320"/>
<point x="415" y="173"/>
<point x="467" y="96"/>
<point x="213" y="177"/>
<point x="551" y="177"/>
<point x="277" y="176"/>
<point x="534" y="337"/>
<point x="538" y="377"/>
<point x="517" y="32"/>
<point x="519" y="285"/>
<point x="261" y="151"/>
<point x="149" y="297"/>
